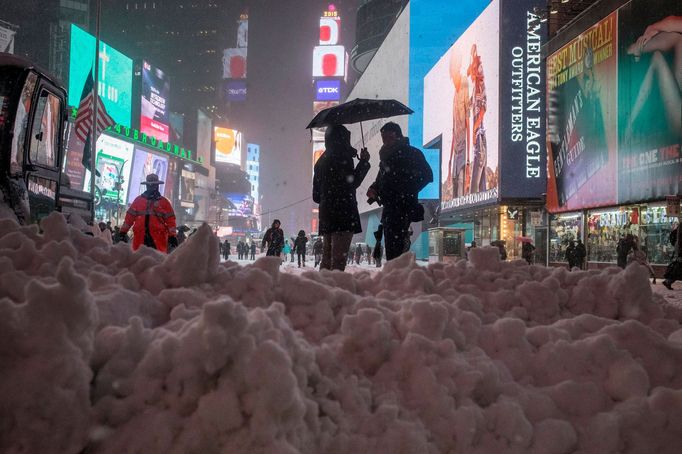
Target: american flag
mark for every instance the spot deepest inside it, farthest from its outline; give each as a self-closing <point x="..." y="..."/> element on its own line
<point x="84" y="118"/>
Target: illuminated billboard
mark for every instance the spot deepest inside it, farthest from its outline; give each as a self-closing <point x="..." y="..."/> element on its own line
<point x="615" y="125"/>
<point x="330" y="31"/>
<point x="145" y="163"/>
<point x="329" y="61"/>
<point x="484" y="104"/>
<point x="235" y="90"/>
<point x="243" y="204"/>
<point x="428" y="41"/>
<point x="461" y="107"/>
<point x="234" y="63"/>
<point x="187" y="188"/>
<point x="115" y="75"/>
<point x="113" y="161"/>
<point x="154" y="118"/>
<point x="327" y="90"/>
<point x="228" y="146"/>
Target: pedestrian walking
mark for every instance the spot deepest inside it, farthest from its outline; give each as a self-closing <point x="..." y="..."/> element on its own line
<point x="317" y="251"/>
<point x="369" y="254"/>
<point x="580" y="254"/>
<point x="403" y="172"/>
<point x="274" y="239"/>
<point x="358" y="253"/>
<point x="623" y="248"/>
<point x="253" y="250"/>
<point x="674" y="270"/>
<point x="335" y="182"/>
<point x="300" y="245"/>
<point x="286" y="250"/>
<point x="528" y="252"/>
<point x="151" y="217"/>
<point x="226" y="250"/>
<point x="570" y="255"/>
<point x="378" y="252"/>
<point x="351" y="255"/>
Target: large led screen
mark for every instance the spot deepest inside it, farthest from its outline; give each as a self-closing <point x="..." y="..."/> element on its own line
<point x="429" y="40"/>
<point x="243" y="204"/>
<point x="145" y="163"/>
<point x="329" y="61"/>
<point x="113" y="161"/>
<point x="228" y="146"/>
<point x="115" y="75"/>
<point x="461" y="110"/>
<point x="154" y="118"/>
<point x="234" y="63"/>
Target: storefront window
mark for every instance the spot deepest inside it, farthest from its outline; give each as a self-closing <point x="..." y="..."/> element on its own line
<point x="563" y="229"/>
<point x="605" y="228"/>
<point x="511" y="230"/>
<point x="654" y="234"/>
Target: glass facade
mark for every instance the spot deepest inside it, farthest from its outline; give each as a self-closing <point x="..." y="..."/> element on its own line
<point x="563" y="228"/>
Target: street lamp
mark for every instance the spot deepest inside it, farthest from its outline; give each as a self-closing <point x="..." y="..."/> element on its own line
<point x="118" y="185"/>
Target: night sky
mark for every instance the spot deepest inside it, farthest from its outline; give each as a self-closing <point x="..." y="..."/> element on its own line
<point x="281" y="41"/>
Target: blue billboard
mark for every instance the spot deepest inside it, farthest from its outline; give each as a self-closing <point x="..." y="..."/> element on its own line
<point x="327" y="90"/>
<point x="434" y="26"/>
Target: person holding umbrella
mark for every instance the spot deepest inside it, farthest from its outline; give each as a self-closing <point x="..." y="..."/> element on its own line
<point x="335" y="181"/>
<point x="403" y="172"/>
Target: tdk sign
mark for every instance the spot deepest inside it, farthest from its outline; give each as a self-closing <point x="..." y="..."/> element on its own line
<point x="327" y="90"/>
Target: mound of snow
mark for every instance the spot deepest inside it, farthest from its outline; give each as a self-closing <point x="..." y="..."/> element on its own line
<point x="106" y="351"/>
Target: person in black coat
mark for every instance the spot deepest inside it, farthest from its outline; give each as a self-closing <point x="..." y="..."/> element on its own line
<point x="274" y="239"/>
<point x="403" y="172"/>
<point x="253" y="250"/>
<point x="623" y="248"/>
<point x="335" y="181"/>
<point x="580" y="254"/>
<point x="300" y="244"/>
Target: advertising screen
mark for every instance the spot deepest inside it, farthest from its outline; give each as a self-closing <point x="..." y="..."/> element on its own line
<point x="461" y="109"/>
<point x="115" y="75"/>
<point x="329" y="61"/>
<point x="330" y="30"/>
<point x="145" y="163"/>
<point x="582" y="95"/>
<point x="235" y="90"/>
<point x="243" y="204"/>
<point x="649" y="101"/>
<point x="243" y="32"/>
<point x="327" y="90"/>
<point x="428" y="41"/>
<point x="73" y="167"/>
<point x="154" y="118"/>
<point x="177" y="128"/>
<point x="234" y="63"/>
<point x="113" y="160"/>
<point x="228" y="146"/>
<point x="187" y="188"/>
<point x="204" y="136"/>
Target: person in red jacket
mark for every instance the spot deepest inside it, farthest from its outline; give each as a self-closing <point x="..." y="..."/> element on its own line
<point x="151" y="217"/>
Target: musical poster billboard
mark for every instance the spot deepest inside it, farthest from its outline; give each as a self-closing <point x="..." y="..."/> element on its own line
<point x="582" y="79"/>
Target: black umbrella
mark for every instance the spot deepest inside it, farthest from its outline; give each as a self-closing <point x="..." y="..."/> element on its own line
<point x="359" y="110"/>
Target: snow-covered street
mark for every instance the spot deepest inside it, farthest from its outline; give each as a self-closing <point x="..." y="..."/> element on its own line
<point x="108" y="351"/>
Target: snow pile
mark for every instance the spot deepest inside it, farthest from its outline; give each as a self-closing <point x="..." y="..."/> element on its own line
<point x="113" y="351"/>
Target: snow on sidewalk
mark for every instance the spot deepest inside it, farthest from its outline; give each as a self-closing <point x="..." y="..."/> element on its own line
<point x="110" y="351"/>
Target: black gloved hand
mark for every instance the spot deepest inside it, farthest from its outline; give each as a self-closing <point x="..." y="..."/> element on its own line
<point x="172" y="241"/>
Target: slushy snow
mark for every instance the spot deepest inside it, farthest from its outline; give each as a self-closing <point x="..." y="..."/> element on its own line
<point x="103" y="350"/>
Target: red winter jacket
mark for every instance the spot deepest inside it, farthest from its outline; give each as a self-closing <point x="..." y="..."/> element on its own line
<point x="161" y="220"/>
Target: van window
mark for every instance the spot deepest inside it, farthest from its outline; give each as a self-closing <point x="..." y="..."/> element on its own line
<point x="21" y="123"/>
<point x="45" y="135"/>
